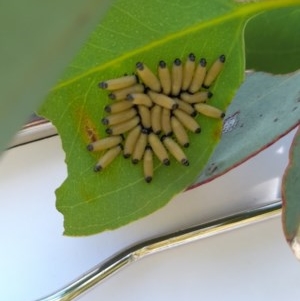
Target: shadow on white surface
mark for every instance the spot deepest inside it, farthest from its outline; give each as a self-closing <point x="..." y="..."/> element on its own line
<point x="35" y="259"/>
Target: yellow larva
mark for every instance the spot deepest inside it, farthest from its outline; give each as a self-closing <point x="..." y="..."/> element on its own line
<point x="198" y="77"/>
<point x="209" y="111"/>
<point x="156" y="119"/>
<point x="179" y="132"/>
<point x="145" y="115"/>
<point x="175" y="150"/>
<point x="166" y="122"/>
<point x="163" y="100"/>
<point x="188" y="122"/>
<point x="123" y="127"/>
<point x="159" y="149"/>
<point x="139" y="148"/>
<point x="118" y="106"/>
<point x="188" y="71"/>
<point x="108" y="157"/>
<point x="148" y="77"/>
<point x="186" y="107"/>
<point x="148" y="164"/>
<point x="119" y="117"/>
<point x="140" y="99"/>
<point x="148" y="104"/>
<point x="214" y="71"/>
<point x="118" y="83"/>
<point x="104" y="143"/>
<point x="164" y="76"/>
<point x="176" y="77"/>
<point x="122" y="93"/>
<point x="202" y="96"/>
<point x="131" y="140"/>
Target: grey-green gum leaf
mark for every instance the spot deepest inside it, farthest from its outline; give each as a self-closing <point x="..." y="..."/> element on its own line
<point x="38" y="39"/>
<point x="264" y="108"/>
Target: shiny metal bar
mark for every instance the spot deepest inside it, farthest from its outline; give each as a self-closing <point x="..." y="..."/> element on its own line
<point x="32" y="131"/>
<point x="162" y="243"/>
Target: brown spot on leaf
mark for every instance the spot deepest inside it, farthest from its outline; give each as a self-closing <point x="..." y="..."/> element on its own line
<point x="88" y="129"/>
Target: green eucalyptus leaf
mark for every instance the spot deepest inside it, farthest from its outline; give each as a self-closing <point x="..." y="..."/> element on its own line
<point x="148" y="32"/>
<point x="265" y="108"/>
<point x="38" y="40"/>
<point x="272" y="41"/>
<point x="291" y="197"/>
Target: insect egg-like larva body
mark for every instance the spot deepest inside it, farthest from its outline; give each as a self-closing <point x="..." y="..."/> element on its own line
<point x="108" y="157"/>
<point x="175" y="150"/>
<point x="214" y="71"/>
<point x="139" y="148"/>
<point x="118" y="106"/>
<point x="104" y="143"/>
<point x="119" y="117"/>
<point x="188" y="71"/>
<point x="196" y="97"/>
<point x="198" y="77"/>
<point x="164" y="76"/>
<point x="166" y="122"/>
<point x="145" y="116"/>
<point x="159" y="149"/>
<point x="131" y="140"/>
<point x="176" y="77"/>
<point x="163" y="100"/>
<point x="122" y="93"/>
<point x="179" y="132"/>
<point x="140" y="99"/>
<point x="148" y="77"/>
<point x="186" y="107"/>
<point x="123" y="127"/>
<point x="119" y="83"/>
<point x="187" y="121"/>
<point x="148" y="164"/>
<point x="156" y="119"/>
<point x="209" y="111"/>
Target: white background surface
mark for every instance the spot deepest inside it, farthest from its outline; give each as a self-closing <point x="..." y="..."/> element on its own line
<point x="252" y="263"/>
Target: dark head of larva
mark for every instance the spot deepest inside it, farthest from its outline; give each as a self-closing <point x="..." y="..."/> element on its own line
<point x="148" y="179"/>
<point x="135" y="161"/>
<point x="222" y="58"/>
<point x="209" y="94"/>
<point x="140" y="66"/>
<point x="192" y="57"/>
<point x="104" y="121"/>
<point x="107" y="109"/>
<point x="166" y="162"/>
<point x="185" y="162"/>
<point x="97" y="168"/>
<point x="162" y="64"/>
<point x="129" y="97"/>
<point x="146" y="131"/>
<point x="108" y="131"/>
<point x="112" y="96"/>
<point x="203" y="62"/>
<point x="177" y="62"/>
<point x="175" y="106"/>
<point x="102" y="85"/>
<point x="90" y="147"/>
<point x="222" y="115"/>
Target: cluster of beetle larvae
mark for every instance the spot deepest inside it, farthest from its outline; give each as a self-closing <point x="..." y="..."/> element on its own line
<point x="151" y="114"/>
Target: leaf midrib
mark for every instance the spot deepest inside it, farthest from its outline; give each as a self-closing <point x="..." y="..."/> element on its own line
<point x="240" y="12"/>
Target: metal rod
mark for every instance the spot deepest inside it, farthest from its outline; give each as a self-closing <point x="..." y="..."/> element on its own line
<point x="162" y="243"/>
